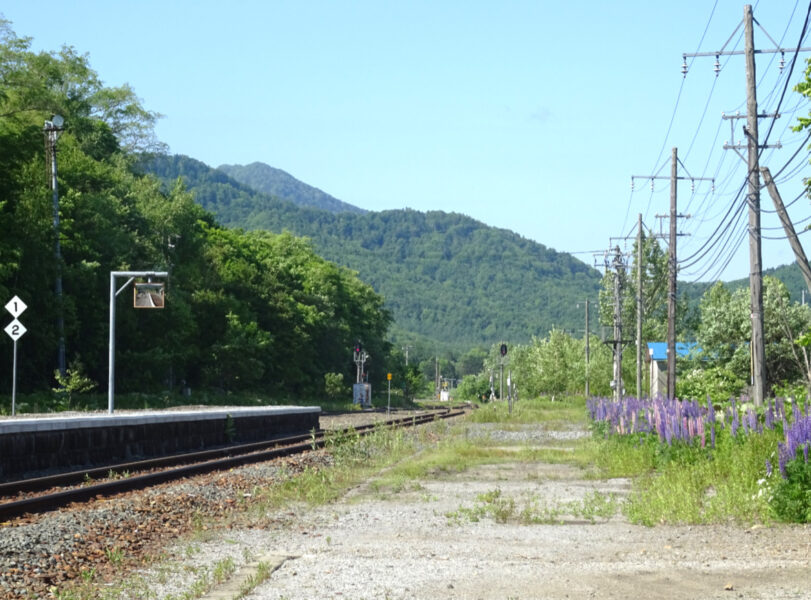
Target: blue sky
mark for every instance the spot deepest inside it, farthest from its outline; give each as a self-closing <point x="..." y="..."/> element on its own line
<point x="530" y="116"/>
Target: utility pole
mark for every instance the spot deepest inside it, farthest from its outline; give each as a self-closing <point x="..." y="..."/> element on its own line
<point x="672" y="261"/>
<point x="436" y="377"/>
<point x="755" y="257"/>
<point x="791" y="234"/>
<point x="753" y="198"/>
<point x="618" y="264"/>
<point x="406" y="349"/>
<point x="639" y="307"/>
<point x="587" y="349"/>
<point x="671" y="282"/>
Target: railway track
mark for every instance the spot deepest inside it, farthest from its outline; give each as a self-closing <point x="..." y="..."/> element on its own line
<point x="156" y="471"/>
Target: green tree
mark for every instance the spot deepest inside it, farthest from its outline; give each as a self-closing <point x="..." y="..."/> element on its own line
<point x="726" y="327"/>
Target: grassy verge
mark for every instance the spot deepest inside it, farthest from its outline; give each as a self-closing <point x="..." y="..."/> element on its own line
<point x="688" y="484"/>
<point x="542" y="411"/>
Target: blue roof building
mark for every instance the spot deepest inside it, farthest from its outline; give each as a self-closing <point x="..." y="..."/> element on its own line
<point x="657" y="356"/>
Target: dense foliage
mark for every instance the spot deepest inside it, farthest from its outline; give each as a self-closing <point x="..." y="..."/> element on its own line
<point x="725" y="330"/>
<point x="243" y="310"/>
<point x="444" y="276"/>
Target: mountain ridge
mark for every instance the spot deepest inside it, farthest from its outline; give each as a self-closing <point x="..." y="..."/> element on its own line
<point x="276" y="182"/>
<point x="445" y="276"/>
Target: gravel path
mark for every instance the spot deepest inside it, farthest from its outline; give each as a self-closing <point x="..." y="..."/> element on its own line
<point x="405" y="546"/>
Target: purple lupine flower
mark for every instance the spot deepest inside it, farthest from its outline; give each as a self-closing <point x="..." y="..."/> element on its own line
<point x="798" y="436"/>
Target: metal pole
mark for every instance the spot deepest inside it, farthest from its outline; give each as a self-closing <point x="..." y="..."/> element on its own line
<point x="388" y="406"/>
<point x="14" y="382"/>
<point x="755" y="261"/>
<point x="111" y="349"/>
<point x="111" y="344"/>
<point x="52" y="133"/>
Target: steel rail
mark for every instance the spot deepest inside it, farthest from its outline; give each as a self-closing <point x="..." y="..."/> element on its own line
<point x="56" y="500"/>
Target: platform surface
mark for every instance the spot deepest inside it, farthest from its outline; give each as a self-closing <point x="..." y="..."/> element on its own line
<point x="56" y="422"/>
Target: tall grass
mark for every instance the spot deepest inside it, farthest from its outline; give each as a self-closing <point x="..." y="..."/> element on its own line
<point x="553" y="413"/>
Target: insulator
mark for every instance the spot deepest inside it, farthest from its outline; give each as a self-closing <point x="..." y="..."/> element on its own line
<point x="717" y="67"/>
<point x="651" y="184"/>
<point x="781" y="65"/>
<point x="692" y="185"/>
<point x="713" y="187"/>
<point x="684" y="67"/>
<point x="632" y="184"/>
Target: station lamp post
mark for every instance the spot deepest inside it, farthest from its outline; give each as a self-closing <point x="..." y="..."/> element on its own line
<point x="53" y="130"/>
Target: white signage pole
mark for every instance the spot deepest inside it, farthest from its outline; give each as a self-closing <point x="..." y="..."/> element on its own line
<point x="15" y="331"/>
<point x="111" y="346"/>
<point x="14" y="382"/>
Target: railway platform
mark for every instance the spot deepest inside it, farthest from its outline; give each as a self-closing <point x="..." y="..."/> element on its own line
<point x="53" y="443"/>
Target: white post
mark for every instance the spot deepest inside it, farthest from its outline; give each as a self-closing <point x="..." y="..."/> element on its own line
<point x="14" y="382"/>
<point x="111" y="348"/>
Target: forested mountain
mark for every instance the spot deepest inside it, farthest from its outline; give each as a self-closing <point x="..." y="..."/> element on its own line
<point x="275" y="182"/>
<point x="444" y="276"/>
<point x="244" y="310"/>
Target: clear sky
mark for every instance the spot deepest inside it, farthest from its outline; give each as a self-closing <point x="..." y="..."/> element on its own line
<point x="526" y="115"/>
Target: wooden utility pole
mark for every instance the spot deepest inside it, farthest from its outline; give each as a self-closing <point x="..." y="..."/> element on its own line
<point x="639" y="307"/>
<point x="755" y="259"/>
<point x="757" y="345"/>
<point x="791" y="234"/>
<point x="671" y="283"/>
<point x="672" y="261"/>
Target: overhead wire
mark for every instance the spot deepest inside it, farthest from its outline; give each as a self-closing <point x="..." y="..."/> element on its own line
<point x="725" y="231"/>
<point x="672" y="118"/>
